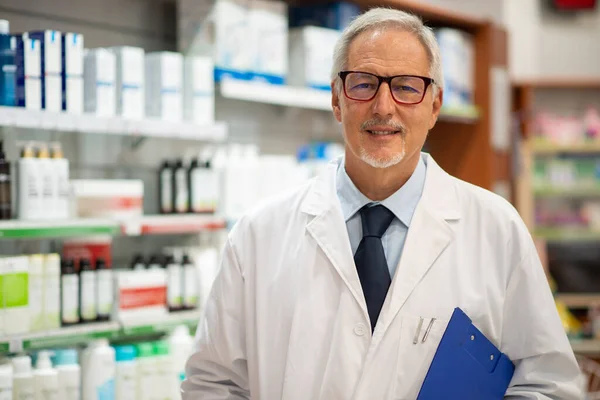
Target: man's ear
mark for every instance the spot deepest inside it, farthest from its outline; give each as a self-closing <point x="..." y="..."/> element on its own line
<point x="437" y="107"/>
<point x="335" y="102"/>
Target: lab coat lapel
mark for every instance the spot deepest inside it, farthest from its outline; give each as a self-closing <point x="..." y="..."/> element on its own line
<point x="328" y="229"/>
<point x="430" y="232"/>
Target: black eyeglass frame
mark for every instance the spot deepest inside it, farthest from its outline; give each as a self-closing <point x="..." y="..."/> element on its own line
<point x="388" y="79"/>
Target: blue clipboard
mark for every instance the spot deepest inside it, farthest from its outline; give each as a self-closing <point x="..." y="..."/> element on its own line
<point x="466" y="365"/>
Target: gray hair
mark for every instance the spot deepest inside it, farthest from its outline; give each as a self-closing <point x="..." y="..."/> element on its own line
<point x="381" y="18"/>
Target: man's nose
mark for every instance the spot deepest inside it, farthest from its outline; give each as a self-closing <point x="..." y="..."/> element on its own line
<point x="383" y="103"/>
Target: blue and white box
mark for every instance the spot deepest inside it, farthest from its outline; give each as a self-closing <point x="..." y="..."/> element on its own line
<point x="72" y="73"/>
<point x="336" y="15"/>
<point x="130" y="82"/>
<point x="28" y="59"/>
<point x="164" y="86"/>
<point x="311" y="56"/>
<point x="100" y="72"/>
<point x="269" y="41"/>
<point x="199" y="90"/>
<point x="51" y="48"/>
<point x="8" y="70"/>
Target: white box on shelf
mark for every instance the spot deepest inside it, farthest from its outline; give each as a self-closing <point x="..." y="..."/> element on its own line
<point x="15" y="294"/>
<point x="72" y="73"/>
<point x="219" y="29"/>
<point x="199" y="90"/>
<point x="141" y="296"/>
<point x="109" y="198"/>
<point x="164" y="84"/>
<point x="51" y="48"/>
<point x="269" y="41"/>
<point x="130" y="82"/>
<point x="457" y="51"/>
<point x="311" y="56"/>
<point x="28" y="60"/>
<point x="99" y="82"/>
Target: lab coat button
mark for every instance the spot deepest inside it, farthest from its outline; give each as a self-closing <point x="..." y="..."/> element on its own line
<point x="360" y="329"/>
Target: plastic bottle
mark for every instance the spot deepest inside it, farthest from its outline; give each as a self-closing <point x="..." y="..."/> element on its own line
<point x="191" y="283"/>
<point x="126" y="373"/>
<point x="29" y="192"/>
<point x="87" y="282"/>
<point x="165" y="184"/>
<point x="36" y="292"/>
<point x="165" y="371"/>
<point x="52" y="291"/>
<point x="147" y="384"/>
<point x="98" y="368"/>
<point x="180" y="188"/>
<point x="174" y="284"/>
<point x="138" y="263"/>
<point x="105" y="287"/>
<point x="5" y="186"/>
<point x="23" y="382"/>
<point x="46" y="174"/>
<point x="154" y="262"/>
<point x="69" y="374"/>
<point x="69" y="294"/>
<point x="45" y="377"/>
<point x="7" y="65"/>
<point x="6" y="382"/>
<point x="195" y="187"/>
<point x="181" y="345"/>
<point x="60" y="182"/>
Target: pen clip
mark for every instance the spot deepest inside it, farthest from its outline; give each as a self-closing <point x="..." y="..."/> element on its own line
<point x="428" y="330"/>
<point x="418" y="332"/>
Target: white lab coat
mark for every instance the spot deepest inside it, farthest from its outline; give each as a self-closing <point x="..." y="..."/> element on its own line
<point x="287" y="319"/>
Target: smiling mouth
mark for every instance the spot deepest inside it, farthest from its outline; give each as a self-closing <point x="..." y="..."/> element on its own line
<point x="382" y="133"/>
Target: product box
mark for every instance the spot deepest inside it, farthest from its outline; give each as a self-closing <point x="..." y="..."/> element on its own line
<point x="333" y="15"/>
<point x="51" y="48"/>
<point x="220" y="29"/>
<point x="89" y="248"/>
<point x="164" y="86"/>
<point x="29" y="72"/>
<point x="8" y="70"/>
<point x="311" y="56"/>
<point x="36" y="293"/>
<point x="130" y="82"/>
<point x="269" y="41"/>
<point x="15" y="294"/>
<point x="457" y="50"/>
<point x="52" y="291"/>
<point x="72" y="73"/>
<point x="110" y="198"/>
<point x="99" y="82"/>
<point x="140" y="295"/>
<point x="199" y="90"/>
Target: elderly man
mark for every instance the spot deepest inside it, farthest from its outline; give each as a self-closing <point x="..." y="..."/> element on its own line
<point x="323" y="290"/>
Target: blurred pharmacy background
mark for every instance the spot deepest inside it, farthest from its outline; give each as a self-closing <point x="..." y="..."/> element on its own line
<point x="135" y="133"/>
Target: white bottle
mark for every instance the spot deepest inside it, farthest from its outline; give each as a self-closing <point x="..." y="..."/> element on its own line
<point x="69" y="374"/>
<point x="165" y="372"/>
<point x="6" y="382"/>
<point x="180" y="188"/>
<point x="23" y="382"/>
<point x="191" y="283"/>
<point x="126" y="373"/>
<point x="181" y="345"/>
<point x="174" y="284"/>
<point x="147" y="382"/>
<point x="87" y="291"/>
<point x="69" y="290"/>
<point x="45" y="378"/>
<point x="98" y="368"/>
<point x="60" y="182"/>
<point x="104" y="290"/>
<point x="29" y="190"/>
<point x="46" y="174"/>
<point x="36" y="292"/>
<point x="52" y="293"/>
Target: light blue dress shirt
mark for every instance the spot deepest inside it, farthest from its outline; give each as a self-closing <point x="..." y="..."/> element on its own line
<point x="402" y="203"/>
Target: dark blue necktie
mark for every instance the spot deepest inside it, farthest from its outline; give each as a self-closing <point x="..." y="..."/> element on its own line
<point x="370" y="259"/>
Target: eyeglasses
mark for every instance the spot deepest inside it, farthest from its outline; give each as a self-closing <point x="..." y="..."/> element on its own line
<point x="405" y="89"/>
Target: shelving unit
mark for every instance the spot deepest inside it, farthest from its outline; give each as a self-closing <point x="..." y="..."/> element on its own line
<point x="15" y="117"/>
<point x="145" y="225"/>
<point x="579" y="300"/>
<point x="84" y="333"/>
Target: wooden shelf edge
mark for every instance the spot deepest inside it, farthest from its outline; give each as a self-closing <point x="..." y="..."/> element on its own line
<point x="428" y="12"/>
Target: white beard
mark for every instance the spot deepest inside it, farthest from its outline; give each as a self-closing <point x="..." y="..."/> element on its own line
<point x="383" y="162"/>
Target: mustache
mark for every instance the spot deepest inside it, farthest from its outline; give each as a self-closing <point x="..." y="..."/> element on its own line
<point x="397" y="126"/>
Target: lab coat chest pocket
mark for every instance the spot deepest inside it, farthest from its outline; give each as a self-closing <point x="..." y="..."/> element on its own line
<point x="419" y="341"/>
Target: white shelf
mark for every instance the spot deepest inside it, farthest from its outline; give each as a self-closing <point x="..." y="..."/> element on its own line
<point x="171" y="224"/>
<point x="86" y="123"/>
<point x="282" y="95"/>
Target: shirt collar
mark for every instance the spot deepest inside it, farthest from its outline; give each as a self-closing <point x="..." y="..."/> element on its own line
<point x="402" y="203"/>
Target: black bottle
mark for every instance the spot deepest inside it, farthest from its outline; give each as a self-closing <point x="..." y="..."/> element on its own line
<point x="104" y="290"/>
<point x="87" y="291"/>
<point x="69" y="293"/>
<point x="138" y="263"/>
<point x="180" y="188"/>
<point x="193" y="189"/>
<point x="5" y="184"/>
<point x="165" y="185"/>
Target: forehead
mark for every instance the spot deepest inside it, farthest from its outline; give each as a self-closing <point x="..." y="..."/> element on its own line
<point x="388" y="51"/>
